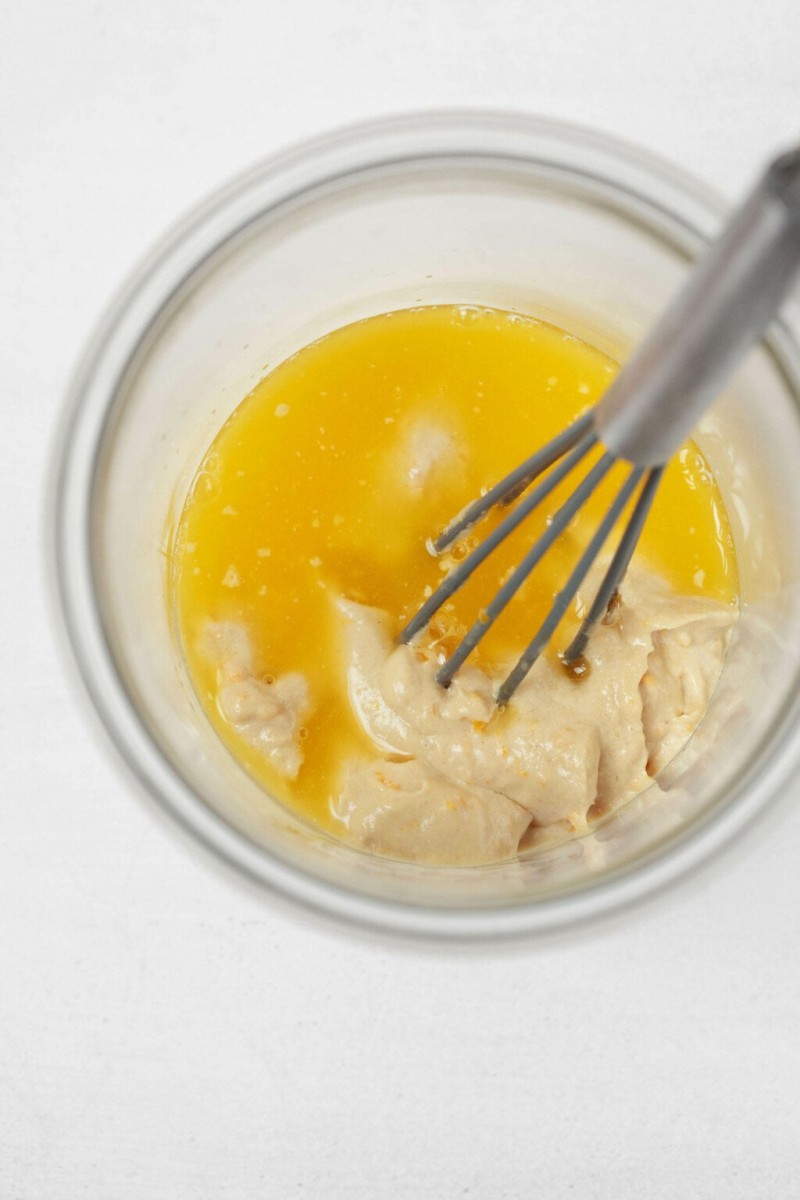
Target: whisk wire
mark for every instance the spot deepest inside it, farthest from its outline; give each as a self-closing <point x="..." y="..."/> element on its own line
<point x="509" y="589"/>
<point x="515" y="483"/>
<point x="617" y="568"/>
<point x="567" y="593"/>
<point x="457" y="577"/>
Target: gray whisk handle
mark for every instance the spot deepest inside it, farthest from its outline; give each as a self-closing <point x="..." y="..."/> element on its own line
<point x="724" y="307"/>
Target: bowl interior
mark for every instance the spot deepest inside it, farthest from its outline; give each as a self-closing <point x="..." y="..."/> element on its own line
<point x="580" y="238"/>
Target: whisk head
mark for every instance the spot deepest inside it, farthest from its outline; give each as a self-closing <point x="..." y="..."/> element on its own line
<point x="563" y="454"/>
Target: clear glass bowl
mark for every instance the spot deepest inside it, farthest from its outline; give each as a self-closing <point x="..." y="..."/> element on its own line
<point x="490" y="209"/>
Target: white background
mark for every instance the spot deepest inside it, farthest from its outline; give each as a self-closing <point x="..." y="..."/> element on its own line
<point x="165" y="1033"/>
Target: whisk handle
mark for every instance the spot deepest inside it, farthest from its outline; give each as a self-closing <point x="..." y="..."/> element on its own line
<point x="724" y="307"/>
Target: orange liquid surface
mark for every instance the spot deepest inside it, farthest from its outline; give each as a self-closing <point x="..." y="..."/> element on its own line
<point x="305" y="495"/>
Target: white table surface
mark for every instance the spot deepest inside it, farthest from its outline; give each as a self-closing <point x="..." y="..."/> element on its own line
<point x="163" y="1031"/>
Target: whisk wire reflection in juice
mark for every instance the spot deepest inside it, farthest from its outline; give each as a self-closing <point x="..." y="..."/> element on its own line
<point x="330" y="477"/>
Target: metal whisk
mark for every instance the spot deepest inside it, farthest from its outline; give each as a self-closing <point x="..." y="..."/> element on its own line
<point x="643" y="418"/>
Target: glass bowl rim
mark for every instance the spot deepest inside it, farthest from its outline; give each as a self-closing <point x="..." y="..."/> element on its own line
<point x="177" y="257"/>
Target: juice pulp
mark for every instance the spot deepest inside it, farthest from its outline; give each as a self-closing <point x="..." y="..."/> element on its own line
<point x="305" y="495"/>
